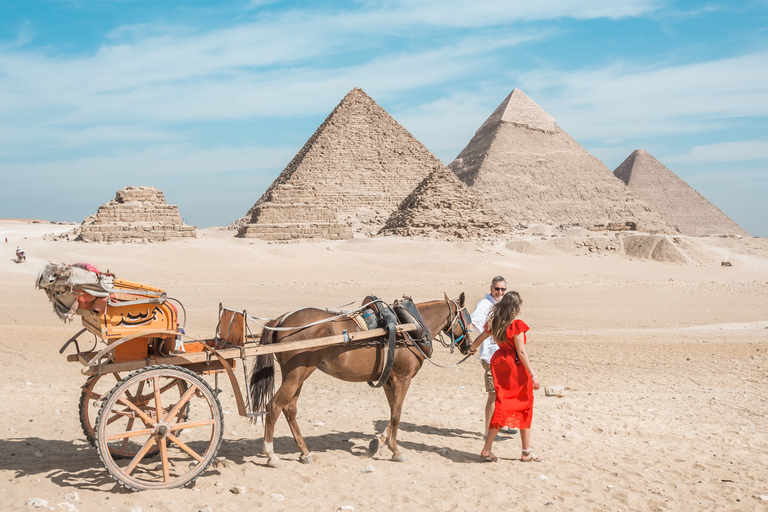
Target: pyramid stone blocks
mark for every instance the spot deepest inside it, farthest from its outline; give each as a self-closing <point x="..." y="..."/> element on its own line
<point x="347" y="179"/>
<point x="682" y="207"/>
<point x="136" y="214"/>
<point x="443" y="207"/>
<point x="528" y="170"/>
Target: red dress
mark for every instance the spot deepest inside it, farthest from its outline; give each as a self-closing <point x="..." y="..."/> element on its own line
<point x="514" y="386"/>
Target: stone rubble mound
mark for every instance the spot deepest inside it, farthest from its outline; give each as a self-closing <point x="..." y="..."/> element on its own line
<point x="655" y="247"/>
<point x="530" y="171"/>
<point x="348" y="178"/>
<point x="443" y="207"/>
<point x="681" y="206"/>
<point x="137" y="214"/>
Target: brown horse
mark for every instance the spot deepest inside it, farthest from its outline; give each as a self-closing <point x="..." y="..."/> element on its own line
<point x="354" y="362"/>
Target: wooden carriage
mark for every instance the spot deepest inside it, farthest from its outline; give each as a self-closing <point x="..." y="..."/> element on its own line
<point x="154" y="419"/>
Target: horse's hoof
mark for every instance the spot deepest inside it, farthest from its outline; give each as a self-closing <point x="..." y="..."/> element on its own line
<point x="275" y="463"/>
<point x="400" y="458"/>
<point x="373" y="446"/>
<point x="306" y="459"/>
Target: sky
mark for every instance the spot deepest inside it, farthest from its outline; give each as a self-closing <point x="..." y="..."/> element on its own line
<point x="209" y="100"/>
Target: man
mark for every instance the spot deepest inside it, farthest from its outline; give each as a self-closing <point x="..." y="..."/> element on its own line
<point x="488" y="347"/>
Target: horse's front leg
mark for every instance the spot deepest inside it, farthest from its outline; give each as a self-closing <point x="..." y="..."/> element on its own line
<point x="290" y="411"/>
<point x="396" y="397"/>
<point x="375" y="444"/>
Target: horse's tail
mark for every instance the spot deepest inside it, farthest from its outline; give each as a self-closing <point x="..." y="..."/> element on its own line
<point x="263" y="373"/>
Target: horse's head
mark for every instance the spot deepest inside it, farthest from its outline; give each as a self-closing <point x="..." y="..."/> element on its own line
<point x="459" y="320"/>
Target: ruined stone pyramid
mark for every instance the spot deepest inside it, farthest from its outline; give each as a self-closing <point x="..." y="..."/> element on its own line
<point x="136" y="214"/>
<point x="680" y="205"/>
<point x="528" y="170"/>
<point x="443" y="207"/>
<point x="348" y="178"/>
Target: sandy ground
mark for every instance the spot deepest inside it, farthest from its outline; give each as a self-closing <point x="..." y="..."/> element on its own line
<point x="665" y="367"/>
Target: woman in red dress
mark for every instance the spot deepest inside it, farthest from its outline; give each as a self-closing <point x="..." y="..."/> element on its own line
<point x="513" y="377"/>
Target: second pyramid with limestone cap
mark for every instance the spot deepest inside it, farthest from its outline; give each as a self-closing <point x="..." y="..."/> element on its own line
<point x="528" y="170"/>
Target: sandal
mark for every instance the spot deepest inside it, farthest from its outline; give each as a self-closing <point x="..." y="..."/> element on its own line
<point x="488" y="457"/>
<point x="529" y="456"/>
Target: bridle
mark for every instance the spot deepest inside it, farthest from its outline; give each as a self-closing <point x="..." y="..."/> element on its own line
<point x="460" y="317"/>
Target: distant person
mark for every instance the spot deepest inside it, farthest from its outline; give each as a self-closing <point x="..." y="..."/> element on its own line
<point x="513" y="376"/>
<point x="479" y="317"/>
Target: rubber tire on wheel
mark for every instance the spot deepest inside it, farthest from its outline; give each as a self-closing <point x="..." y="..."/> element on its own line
<point x="197" y="412"/>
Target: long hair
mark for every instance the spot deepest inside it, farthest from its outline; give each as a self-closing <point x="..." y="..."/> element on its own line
<point x="503" y="313"/>
<point x="263" y="374"/>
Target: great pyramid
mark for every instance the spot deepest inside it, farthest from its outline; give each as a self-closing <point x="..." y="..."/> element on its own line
<point x="348" y="178"/>
<point x="137" y="214"/>
<point x="680" y="205"/>
<point x="443" y="207"/>
<point x="528" y="170"/>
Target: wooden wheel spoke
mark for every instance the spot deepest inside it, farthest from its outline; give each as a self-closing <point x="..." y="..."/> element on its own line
<point x="139" y="389"/>
<point x="182" y="402"/>
<point x="147" y="419"/>
<point x="168" y="386"/>
<point x="158" y="405"/>
<point x="191" y="424"/>
<point x="118" y="415"/>
<point x="135" y="462"/>
<point x="126" y="435"/>
<point x="164" y="459"/>
<point x="124" y="446"/>
<point x="184" y="447"/>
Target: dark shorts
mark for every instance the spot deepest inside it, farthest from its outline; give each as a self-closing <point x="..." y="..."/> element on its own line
<point x="488" y="377"/>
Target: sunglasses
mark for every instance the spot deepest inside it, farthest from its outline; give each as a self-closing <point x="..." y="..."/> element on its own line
<point x="499" y="289"/>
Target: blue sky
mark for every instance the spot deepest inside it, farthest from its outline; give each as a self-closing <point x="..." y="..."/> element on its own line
<point x="209" y="101"/>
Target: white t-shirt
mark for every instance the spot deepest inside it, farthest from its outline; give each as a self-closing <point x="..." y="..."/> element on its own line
<point x="479" y="317"/>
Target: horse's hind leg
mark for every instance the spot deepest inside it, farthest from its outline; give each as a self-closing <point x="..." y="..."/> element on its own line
<point x="290" y="410"/>
<point x="285" y="394"/>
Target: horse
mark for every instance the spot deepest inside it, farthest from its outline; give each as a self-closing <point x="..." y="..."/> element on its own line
<point x="352" y="362"/>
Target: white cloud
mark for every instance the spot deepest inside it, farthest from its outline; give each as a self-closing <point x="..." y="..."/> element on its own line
<point x="739" y="151"/>
<point x="468" y="13"/>
<point x="627" y="102"/>
<point x="159" y="162"/>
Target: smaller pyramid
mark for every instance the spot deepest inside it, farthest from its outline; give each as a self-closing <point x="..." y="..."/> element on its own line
<point x="678" y="203"/>
<point x="443" y="207"/>
<point x="137" y="214"/>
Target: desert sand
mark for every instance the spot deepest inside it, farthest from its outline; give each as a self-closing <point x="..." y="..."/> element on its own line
<point x="664" y="366"/>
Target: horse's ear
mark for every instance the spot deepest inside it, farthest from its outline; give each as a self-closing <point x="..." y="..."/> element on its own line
<point x="446" y="296"/>
<point x="461" y="299"/>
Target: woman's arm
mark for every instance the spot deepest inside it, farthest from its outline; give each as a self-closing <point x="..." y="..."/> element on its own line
<point x="478" y="341"/>
<point x="523" y="356"/>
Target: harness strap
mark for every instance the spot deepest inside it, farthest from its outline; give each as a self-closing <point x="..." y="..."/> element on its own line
<point x="430" y="360"/>
<point x="391" y="321"/>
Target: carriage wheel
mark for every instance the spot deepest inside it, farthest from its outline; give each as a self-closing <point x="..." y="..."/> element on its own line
<point x="97" y="387"/>
<point x="176" y="400"/>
